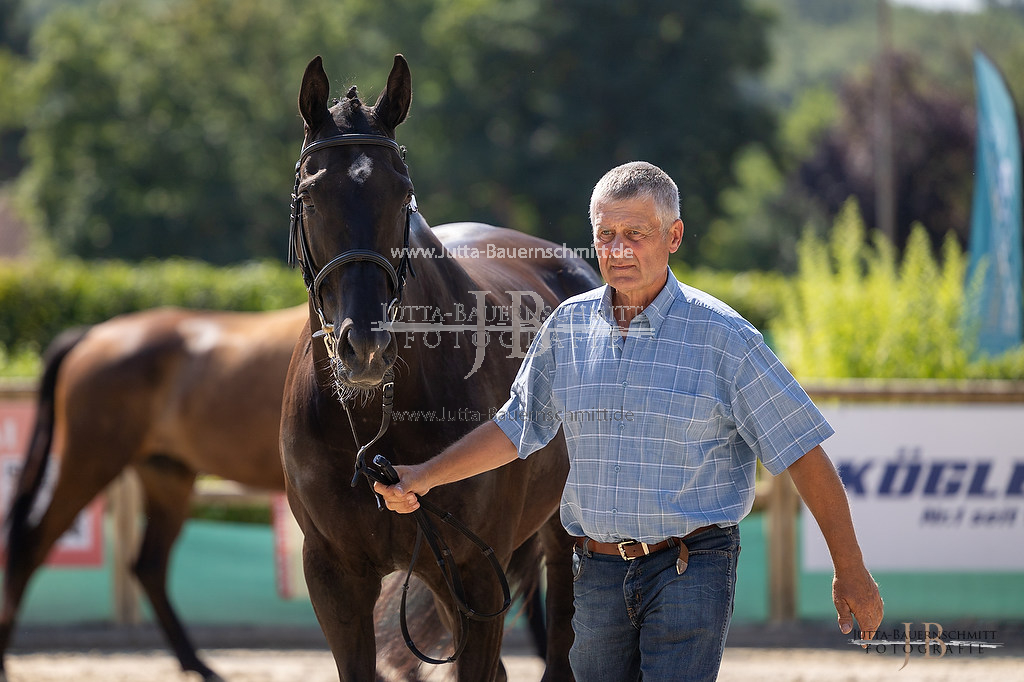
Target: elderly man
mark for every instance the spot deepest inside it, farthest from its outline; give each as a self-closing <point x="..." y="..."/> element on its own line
<point x="667" y="399"/>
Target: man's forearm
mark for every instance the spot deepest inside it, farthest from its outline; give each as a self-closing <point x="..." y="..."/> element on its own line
<point x="854" y="591"/>
<point x="822" y="491"/>
<point x="484" y="448"/>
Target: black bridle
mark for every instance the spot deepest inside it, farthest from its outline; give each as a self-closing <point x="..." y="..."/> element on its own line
<point x="297" y="238"/>
<point x="381" y="470"/>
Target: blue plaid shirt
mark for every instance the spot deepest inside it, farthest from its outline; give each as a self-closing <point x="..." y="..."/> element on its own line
<point x="664" y="426"/>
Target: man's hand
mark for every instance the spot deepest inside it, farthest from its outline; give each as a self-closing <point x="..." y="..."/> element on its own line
<point x="484" y="448"/>
<point x="855" y="594"/>
<point x="401" y="497"/>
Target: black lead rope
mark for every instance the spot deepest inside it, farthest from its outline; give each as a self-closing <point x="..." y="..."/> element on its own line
<point x="380" y="470"/>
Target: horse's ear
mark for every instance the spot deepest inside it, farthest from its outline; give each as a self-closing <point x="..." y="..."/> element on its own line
<point x="393" y="104"/>
<point x="313" y="95"/>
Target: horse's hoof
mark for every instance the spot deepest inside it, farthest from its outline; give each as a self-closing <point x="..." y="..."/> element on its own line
<point x="211" y="677"/>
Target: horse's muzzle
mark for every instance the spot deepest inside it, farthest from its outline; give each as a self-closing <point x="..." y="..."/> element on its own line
<point x="363" y="356"/>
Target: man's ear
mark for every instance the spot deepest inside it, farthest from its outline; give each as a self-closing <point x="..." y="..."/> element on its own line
<point x="675" y="235"/>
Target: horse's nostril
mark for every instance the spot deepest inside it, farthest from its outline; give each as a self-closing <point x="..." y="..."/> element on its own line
<point x="345" y="349"/>
<point x="359" y="348"/>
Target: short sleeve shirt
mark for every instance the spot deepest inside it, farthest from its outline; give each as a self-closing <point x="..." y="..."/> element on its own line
<point x="665" y="425"/>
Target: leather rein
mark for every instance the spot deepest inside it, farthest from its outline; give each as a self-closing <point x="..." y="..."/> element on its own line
<point x="380" y="469"/>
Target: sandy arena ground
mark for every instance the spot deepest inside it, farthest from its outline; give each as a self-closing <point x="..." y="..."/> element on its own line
<point x="791" y="652"/>
<point x="740" y="664"/>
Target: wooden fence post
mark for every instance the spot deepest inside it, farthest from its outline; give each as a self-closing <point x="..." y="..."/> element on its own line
<point x="125" y="498"/>
<point x="783" y="506"/>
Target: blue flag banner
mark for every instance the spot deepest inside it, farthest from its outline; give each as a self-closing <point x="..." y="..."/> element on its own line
<point x="995" y="244"/>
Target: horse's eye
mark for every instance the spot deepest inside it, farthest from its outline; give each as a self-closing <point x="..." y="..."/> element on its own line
<point x="307" y="201"/>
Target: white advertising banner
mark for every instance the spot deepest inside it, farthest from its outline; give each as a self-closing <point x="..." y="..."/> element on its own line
<point x="932" y="487"/>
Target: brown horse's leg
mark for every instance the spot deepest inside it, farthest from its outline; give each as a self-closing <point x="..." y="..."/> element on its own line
<point x="75" y="488"/>
<point x="167" y="486"/>
<point x="559" y="601"/>
<point x="343" y="603"/>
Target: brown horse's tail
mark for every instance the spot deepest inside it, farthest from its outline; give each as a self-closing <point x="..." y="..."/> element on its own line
<point x="524" y="573"/>
<point x="38" y="456"/>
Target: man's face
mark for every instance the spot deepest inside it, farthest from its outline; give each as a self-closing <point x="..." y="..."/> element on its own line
<point x="632" y="251"/>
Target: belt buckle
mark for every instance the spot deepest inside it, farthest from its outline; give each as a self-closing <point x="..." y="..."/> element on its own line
<point x="629" y="543"/>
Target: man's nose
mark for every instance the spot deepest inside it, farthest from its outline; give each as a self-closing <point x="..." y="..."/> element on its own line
<point x="617" y="248"/>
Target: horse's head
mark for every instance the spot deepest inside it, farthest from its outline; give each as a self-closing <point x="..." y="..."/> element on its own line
<point x="352" y="205"/>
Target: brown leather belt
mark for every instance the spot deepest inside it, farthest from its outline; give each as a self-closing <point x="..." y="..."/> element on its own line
<point x="633" y="549"/>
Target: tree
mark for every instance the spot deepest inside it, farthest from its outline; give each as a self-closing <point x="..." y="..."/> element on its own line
<point x="558" y="93"/>
<point x="14" y="29"/>
<point x="161" y="129"/>
<point x="1012" y="5"/>
<point x="164" y="129"/>
<point x="933" y="134"/>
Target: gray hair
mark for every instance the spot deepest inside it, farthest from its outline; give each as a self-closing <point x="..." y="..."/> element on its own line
<point x="640" y="179"/>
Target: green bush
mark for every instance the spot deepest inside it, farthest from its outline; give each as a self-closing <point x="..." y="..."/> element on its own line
<point x="856" y="311"/>
<point x="40" y="298"/>
<point x="20" y="363"/>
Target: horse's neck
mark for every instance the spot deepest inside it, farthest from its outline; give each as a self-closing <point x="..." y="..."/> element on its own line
<point x="439" y="294"/>
<point x="441" y="283"/>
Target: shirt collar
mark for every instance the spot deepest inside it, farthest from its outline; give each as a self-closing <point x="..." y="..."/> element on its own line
<point x="654" y="313"/>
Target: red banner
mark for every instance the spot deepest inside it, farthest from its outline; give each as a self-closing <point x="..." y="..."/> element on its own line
<point x="291" y="583"/>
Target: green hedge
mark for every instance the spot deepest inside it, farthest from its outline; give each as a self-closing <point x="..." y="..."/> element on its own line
<point x="38" y="299"/>
<point x="853" y="310"/>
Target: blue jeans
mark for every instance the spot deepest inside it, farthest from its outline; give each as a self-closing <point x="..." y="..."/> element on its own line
<point x="641" y="617"/>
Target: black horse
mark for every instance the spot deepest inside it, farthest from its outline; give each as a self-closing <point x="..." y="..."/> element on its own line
<point x="354" y="212"/>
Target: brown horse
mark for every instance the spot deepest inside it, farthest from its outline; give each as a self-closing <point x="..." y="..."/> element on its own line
<point x="168" y="393"/>
<point x="354" y="218"/>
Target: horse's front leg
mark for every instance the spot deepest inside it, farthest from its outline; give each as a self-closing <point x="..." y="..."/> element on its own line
<point x="343" y="602"/>
<point x="480" y="660"/>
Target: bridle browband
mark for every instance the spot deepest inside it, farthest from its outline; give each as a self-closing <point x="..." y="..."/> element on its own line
<point x="381" y="470"/>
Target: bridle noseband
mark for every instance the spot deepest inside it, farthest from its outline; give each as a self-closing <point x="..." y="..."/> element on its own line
<point x="297" y="238"/>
